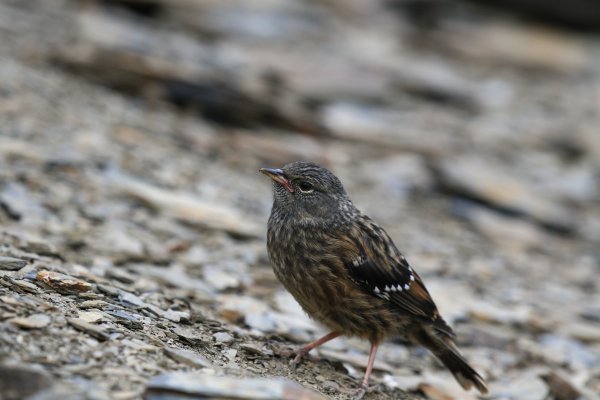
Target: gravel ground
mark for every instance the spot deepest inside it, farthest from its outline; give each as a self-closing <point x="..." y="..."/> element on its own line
<point x="133" y="218"/>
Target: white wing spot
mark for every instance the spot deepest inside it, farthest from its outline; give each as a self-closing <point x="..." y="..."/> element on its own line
<point x="376" y="290"/>
<point x="399" y="288"/>
<point x="406" y="286"/>
<point x="387" y="288"/>
<point x="412" y="277"/>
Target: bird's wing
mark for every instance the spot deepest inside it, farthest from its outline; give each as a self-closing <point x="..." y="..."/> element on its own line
<point x="375" y="264"/>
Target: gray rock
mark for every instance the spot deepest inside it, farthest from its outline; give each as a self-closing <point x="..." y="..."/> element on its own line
<point x="25" y="285"/>
<point x="11" y="263"/>
<point x="92" y="316"/>
<point x="176" y="316"/>
<point x="93" y="304"/>
<point x="109" y="290"/>
<point x="132" y="321"/>
<point x="507" y="44"/>
<point x="559" y="349"/>
<point x="21" y="204"/>
<point x="561" y="388"/>
<point x="221" y="279"/>
<point x="223" y="337"/>
<point x="131" y="300"/>
<point x="202" y="386"/>
<point x="510" y="233"/>
<point x="120" y="275"/>
<point x="187" y="207"/>
<point x="35" y="321"/>
<point x="190" y="334"/>
<point x="92" y="330"/>
<point x="497" y="185"/>
<point x="585" y="332"/>
<point x="20" y="381"/>
<point x="187" y="357"/>
<point x="379" y="126"/>
<point x="251" y="349"/>
<point x="174" y="275"/>
<point x="527" y="385"/>
<point x="39" y="246"/>
<point x="120" y="241"/>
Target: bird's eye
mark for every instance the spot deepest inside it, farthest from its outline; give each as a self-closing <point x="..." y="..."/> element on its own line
<point x="305" y="187"/>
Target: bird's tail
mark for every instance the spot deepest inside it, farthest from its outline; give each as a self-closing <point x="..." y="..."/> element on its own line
<point x="462" y="371"/>
<point x="442" y="346"/>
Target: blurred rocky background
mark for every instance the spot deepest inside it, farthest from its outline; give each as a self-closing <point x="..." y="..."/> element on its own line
<point x="132" y="216"/>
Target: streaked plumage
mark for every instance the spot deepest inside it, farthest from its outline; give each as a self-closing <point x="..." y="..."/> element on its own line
<point x="346" y="272"/>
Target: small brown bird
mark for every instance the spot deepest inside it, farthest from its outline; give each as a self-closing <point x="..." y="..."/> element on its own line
<point x="346" y="272"/>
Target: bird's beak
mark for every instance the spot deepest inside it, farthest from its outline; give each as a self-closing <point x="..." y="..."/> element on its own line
<point x="278" y="176"/>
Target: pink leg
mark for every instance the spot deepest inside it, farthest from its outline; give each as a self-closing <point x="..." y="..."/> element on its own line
<point x="365" y="382"/>
<point x="304" y="351"/>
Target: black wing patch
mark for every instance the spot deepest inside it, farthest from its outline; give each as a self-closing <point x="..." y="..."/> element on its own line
<point x="381" y="281"/>
<point x="383" y="272"/>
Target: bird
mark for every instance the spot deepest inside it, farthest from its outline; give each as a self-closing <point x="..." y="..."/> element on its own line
<point x="346" y="272"/>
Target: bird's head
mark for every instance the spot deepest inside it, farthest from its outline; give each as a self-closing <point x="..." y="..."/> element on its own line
<point x="307" y="191"/>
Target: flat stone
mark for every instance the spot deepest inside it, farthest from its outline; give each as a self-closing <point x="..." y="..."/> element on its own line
<point x="21" y="381"/>
<point x="20" y="204"/>
<point x="93" y="304"/>
<point x="109" y="290"/>
<point x="204" y="386"/>
<point x="254" y="350"/>
<point x="11" y="263"/>
<point x="585" y="332"/>
<point x="445" y="389"/>
<point x="35" y="321"/>
<point x="223" y="337"/>
<point x="186" y="207"/>
<point x="131" y="300"/>
<point x="489" y="312"/>
<point x="497" y="185"/>
<point x="62" y="283"/>
<point x="91" y="316"/>
<point x="120" y="275"/>
<point x="560" y="387"/>
<point x="25" y="285"/>
<point x="189" y="334"/>
<point x="176" y="316"/>
<point x="92" y="330"/>
<point x="187" y="357"/>
<point x="39" y="246"/>
<point x="220" y="279"/>
<point x="527" y="385"/>
<point x="509" y="233"/>
<point x="354" y="359"/>
<point x="132" y="321"/>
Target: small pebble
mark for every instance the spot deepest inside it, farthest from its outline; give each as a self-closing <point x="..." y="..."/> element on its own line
<point x="223" y="337"/>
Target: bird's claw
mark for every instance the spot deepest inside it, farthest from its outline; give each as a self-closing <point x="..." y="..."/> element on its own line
<point x="360" y="392"/>
<point x="296" y="360"/>
<point x="364" y="389"/>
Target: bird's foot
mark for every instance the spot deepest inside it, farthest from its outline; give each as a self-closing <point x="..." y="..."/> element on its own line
<point x="364" y="389"/>
<point x="296" y="360"/>
<point x="360" y="392"/>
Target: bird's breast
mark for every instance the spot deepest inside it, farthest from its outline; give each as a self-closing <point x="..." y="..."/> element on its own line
<point x="318" y="280"/>
<point x="301" y="262"/>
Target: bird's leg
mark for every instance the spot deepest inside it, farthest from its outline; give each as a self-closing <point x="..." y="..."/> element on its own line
<point x="304" y="351"/>
<point x="365" y="382"/>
